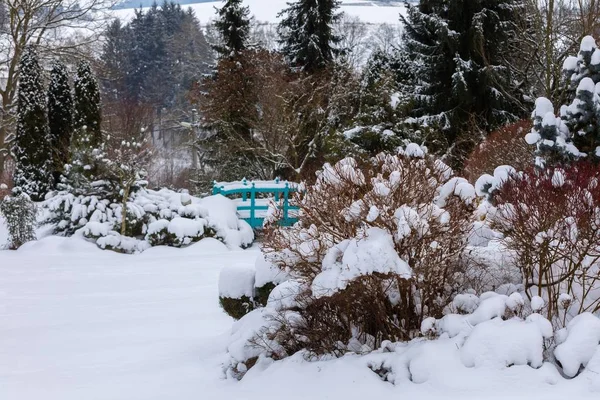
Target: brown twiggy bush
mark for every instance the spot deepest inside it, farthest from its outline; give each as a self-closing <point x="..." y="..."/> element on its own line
<point x="551" y="222"/>
<point x="427" y="215"/>
<point x="6" y="181"/>
<point x="506" y="146"/>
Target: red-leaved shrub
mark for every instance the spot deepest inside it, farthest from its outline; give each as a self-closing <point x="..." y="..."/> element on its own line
<point x="551" y="222"/>
<point x="506" y="146"/>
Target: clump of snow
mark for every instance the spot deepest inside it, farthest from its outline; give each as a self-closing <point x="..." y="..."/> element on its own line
<point x="488" y="184"/>
<point x="588" y="43"/>
<point x="515" y="302"/>
<point x="492" y="306"/>
<point x="268" y="272"/>
<point x="500" y="344"/>
<point x="237" y="281"/>
<point x="466" y="303"/>
<point x="579" y="345"/>
<point x="586" y="85"/>
<point x="459" y="187"/>
<point x="537" y="303"/>
<point x="543" y="106"/>
<point x="284" y="295"/>
<point x="357" y="257"/>
<point x="414" y="150"/>
<point x="570" y="63"/>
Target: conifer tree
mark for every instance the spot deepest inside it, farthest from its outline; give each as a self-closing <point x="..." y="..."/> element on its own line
<point x="87" y="115"/>
<point x="575" y="133"/>
<point x="32" y="151"/>
<point x="233" y="24"/>
<point x="60" y="116"/>
<point x="307" y="36"/>
<point x="459" y="74"/>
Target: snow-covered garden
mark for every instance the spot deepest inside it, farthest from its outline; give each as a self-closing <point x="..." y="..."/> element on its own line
<point x="396" y="211"/>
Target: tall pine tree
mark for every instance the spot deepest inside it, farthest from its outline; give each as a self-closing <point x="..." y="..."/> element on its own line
<point x="460" y="78"/>
<point x="87" y="115"/>
<point x="32" y="151"/>
<point x="60" y="116"/>
<point x="307" y="36"/>
<point x="233" y="24"/>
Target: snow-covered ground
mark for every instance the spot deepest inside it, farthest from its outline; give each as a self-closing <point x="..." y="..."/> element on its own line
<point x="267" y="10"/>
<point x="78" y="323"/>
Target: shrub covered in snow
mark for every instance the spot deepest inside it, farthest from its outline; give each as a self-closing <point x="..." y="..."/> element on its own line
<point x="376" y="250"/>
<point x="550" y="221"/>
<point x="502" y="147"/>
<point x="20" y="215"/>
<point x="242" y="288"/>
<point x="154" y="218"/>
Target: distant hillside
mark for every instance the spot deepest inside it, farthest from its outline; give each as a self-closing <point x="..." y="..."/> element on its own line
<point x="266" y="11"/>
<point x="147" y="3"/>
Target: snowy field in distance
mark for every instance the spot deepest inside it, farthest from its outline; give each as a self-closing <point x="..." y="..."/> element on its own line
<point x="267" y="10"/>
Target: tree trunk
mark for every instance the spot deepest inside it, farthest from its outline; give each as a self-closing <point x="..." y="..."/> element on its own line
<point x="3" y="151"/>
<point x="126" y="191"/>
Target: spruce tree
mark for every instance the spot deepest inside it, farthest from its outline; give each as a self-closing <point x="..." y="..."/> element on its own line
<point x="307" y="36"/>
<point x="60" y="116"/>
<point x="32" y="151"/>
<point x="87" y="115"/>
<point x="233" y="24"/>
<point x="459" y="77"/>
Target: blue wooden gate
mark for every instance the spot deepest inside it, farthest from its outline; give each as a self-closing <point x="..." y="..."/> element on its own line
<point x="254" y="198"/>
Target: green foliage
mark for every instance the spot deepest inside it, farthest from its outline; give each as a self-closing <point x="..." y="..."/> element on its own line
<point x="233" y="24"/>
<point x="261" y="294"/>
<point x="60" y="116"/>
<point x="156" y="57"/>
<point x="236" y="308"/>
<point x="31" y="147"/>
<point x="456" y="54"/>
<point x="19" y="213"/>
<point x="87" y="108"/>
<point x="307" y="36"/>
<point x="166" y="238"/>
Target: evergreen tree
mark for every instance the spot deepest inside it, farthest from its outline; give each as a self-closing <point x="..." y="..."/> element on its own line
<point x="459" y="75"/>
<point x="32" y="151"/>
<point x="307" y="36"/>
<point x="60" y="116"/>
<point x="156" y="57"/>
<point x="19" y="213"/>
<point x="87" y="116"/>
<point x="233" y="24"/>
<point x="582" y="116"/>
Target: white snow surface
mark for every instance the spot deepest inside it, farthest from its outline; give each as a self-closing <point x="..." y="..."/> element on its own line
<point x="77" y="322"/>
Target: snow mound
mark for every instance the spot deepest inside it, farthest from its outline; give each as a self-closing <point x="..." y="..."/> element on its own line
<point x="237" y="281"/>
<point x="268" y="272"/>
<point x="499" y="344"/>
<point x="580" y="344"/>
<point x="357" y="257"/>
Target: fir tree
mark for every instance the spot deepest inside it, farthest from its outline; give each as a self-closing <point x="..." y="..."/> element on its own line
<point x="32" y="151"/>
<point x="233" y="24"/>
<point x="576" y="132"/>
<point x="87" y="116"/>
<point x="307" y="36"/>
<point x="459" y="74"/>
<point x="60" y="116"/>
